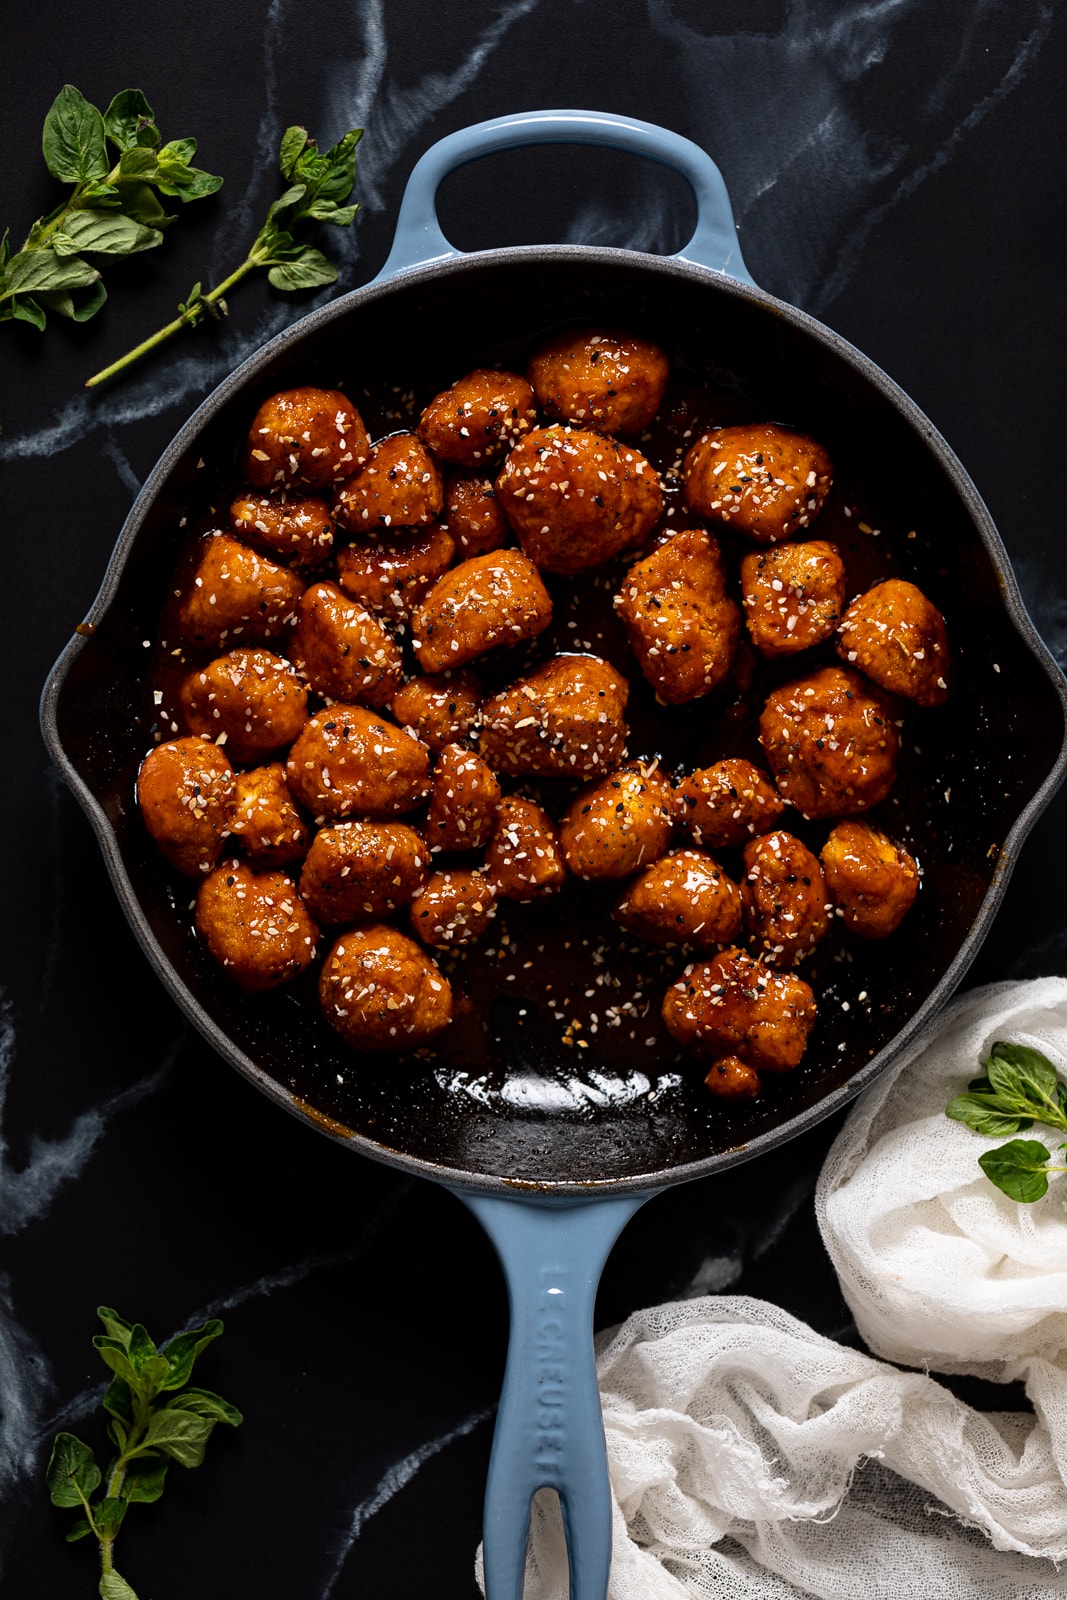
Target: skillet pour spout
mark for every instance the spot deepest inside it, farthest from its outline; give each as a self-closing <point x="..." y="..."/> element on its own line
<point x="501" y="1113"/>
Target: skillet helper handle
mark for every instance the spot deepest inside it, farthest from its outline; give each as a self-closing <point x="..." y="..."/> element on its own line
<point x="549" y="1429"/>
<point x="419" y="240"/>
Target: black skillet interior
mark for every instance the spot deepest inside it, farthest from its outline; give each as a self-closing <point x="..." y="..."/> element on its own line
<point x="584" y="1086"/>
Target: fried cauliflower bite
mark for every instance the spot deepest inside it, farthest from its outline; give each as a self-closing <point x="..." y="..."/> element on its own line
<point x="478" y="417"/>
<point x="618" y="824"/>
<point x="831" y="742"/>
<point x="785" y="899"/>
<point x="524" y="860"/>
<point x="234" y="595"/>
<point x="600" y="379"/>
<point x="732" y="1079"/>
<point x="681" y="626"/>
<point x="491" y="600"/>
<point x="872" y="881"/>
<point x="463" y="801"/>
<point x="350" y="759"/>
<point x="392" y="576"/>
<point x="297" y="528"/>
<point x="255" y="925"/>
<point x="684" y="898"/>
<point x="441" y="710"/>
<point x="566" y="719"/>
<point x="794" y="595"/>
<point x="251" y="699"/>
<point x="727" y="803"/>
<point x="454" y="907"/>
<point x="343" y="652"/>
<point x="576" y="498"/>
<point x="186" y="793"/>
<point x="734" y="1006"/>
<point x="473" y="516"/>
<point x="266" y="823"/>
<point x="382" y="992"/>
<point x="897" y="636"/>
<point x="304" y="436"/>
<point x="399" y="486"/>
<point x="761" y="479"/>
<point x="360" y="870"/>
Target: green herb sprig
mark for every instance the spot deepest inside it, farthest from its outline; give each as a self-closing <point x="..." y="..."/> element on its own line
<point x="113" y="209"/>
<point x="1021" y="1087"/>
<point x="154" y="1418"/>
<point x="319" y="182"/>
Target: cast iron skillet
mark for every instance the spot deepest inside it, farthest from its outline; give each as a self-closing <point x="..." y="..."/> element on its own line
<point x="528" y="1131"/>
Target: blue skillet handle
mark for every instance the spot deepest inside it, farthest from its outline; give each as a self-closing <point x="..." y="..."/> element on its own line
<point x="419" y="239"/>
<point x="549" y="1430"/>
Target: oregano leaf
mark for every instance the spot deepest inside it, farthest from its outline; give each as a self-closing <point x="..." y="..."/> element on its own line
<point x="1018" y="1169"/>
<point x="73" y="138"/>
<point x="307" y="271"/>
<point x="26" y="309"/>
<point x="71" y="1468"/>
<point x="113" y="1586"/>
<point x="129" y="121"/>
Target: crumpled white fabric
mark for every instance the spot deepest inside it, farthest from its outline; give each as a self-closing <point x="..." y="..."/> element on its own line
<point x="753" y="1459"/>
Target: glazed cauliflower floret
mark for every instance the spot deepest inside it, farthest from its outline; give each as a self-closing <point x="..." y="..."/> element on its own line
<point x="250" y="699"/>
<point x="382" y="992"/>
<point x="266" y="823"/>
<point x="350" y="759"/>
<point x="360" y="870"/>
<point x="793" y="594"/>
<point x="618" y="824"/>
<point x="399" y="486"/>
<point x="392" y="575"/>
<point x="234" y="595"/>
<point x="872" y="881"/>
<point x="473" y="516"/>
<point x="524" y="860"/>
<point x="897" y="636"/>
<point x="566" y="719"/>
<point x="440" y="710"/>
<point x="727" y="803"/>
<point x="491" y="600"/>
<point x="576" y="498"/>
<point x="186" y="793"/>
<point x="735" y="1007"/>
<point x="463" y="801"/>
<point x="343" y="652"/>
<point x="255" y="925"/>
<point x="681" y="625"/>
<point x="296" y="528"/>
<point x="785" y="899"/>
<point x="304" y="436"/>
<point x="684" y="898"/>
<point x="600" y="379"/>
<point x="453" y="907"/>
<point x="478" y="417"/>
<point x="831" y="742"/>
<point x="763" y="480"/>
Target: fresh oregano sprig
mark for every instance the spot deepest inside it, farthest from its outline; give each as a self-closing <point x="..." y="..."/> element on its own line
<point x="1020" y="1087"/>
<point x="319" y="183"/>
<point x="154" y="1418"/>
<point x="119" y="167"/>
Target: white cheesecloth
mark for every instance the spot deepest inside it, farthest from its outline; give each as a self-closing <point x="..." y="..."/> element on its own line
<point x="753" y="1459"/>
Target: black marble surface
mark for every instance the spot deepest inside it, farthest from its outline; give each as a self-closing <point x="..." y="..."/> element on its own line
<point x="895" y="171"/>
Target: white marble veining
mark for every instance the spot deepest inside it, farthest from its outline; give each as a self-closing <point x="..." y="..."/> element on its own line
<point x="398" y="1477"/>
<point x="782" y="114"/>
<point x="773" y="108"/>
<point x="27" y="1192"/>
